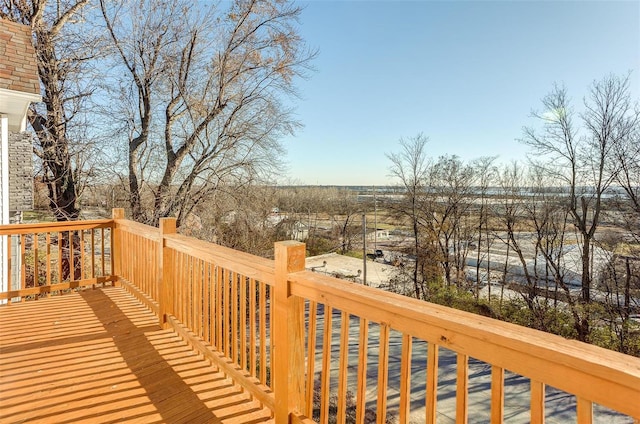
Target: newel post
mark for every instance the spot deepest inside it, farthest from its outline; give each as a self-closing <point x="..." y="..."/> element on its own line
<point x="288" y="356"/>
<point x="116" y="245"/>
<point x="167" y="226"/>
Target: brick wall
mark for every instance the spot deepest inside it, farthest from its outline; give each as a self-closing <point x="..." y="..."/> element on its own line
<point x="20" y="172"/>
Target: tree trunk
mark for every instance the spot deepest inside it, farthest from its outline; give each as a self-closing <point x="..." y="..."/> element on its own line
<point x="586" y="268"/>
<point x="416" y="284"/>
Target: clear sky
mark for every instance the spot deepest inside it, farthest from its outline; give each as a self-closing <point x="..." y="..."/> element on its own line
<point x="466" y="74"/>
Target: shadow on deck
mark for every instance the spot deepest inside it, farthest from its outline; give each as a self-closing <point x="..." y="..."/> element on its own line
<point x="100" y="356"/>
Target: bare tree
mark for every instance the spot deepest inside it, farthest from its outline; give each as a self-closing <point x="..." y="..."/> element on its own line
<point x="536" y="231"/>
<point x="450" y="186"/>
<point x="486" y="172"/>
<point x="410" y="166"/>
<point x="344" y="210"/>
<point x="583" y="161"/>
<point x="64" y="48"/>
<point x="303" y="207"/>
<point x="241" y="219"/>
<point x="208" y="84"/>
<point x="627" y="176"/>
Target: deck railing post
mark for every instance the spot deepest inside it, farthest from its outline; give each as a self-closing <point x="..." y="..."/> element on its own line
<point x="288" y="352"/>
<point x="116" y="244"/>
<point x="165" y="301"/>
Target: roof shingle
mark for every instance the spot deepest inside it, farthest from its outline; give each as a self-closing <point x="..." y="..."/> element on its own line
<point x="18" y="66"/>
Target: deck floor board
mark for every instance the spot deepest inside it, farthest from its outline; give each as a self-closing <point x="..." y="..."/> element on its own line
<point x="99" y="356"/>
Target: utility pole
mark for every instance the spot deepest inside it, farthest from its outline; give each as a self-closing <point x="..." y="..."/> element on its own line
<point x="364" y="249"/>
<point x="375" y="221"/>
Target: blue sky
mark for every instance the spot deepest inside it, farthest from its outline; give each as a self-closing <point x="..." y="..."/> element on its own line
<point x="466" y="74"/>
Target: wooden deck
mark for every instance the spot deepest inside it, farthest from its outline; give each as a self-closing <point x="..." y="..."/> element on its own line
<point x="99" y="356"/>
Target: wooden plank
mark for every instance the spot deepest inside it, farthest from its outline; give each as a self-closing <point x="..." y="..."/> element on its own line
<point x="139" y="263"/>
<point x="252" y="327"/>
<point x="185" y="284"/>
<point x="36" y="273"/>
<point x="243" y="299"/>
<point x="179" y="287"/>
<point x="383" y="374"/>
<point x="93" y="253"/>
<point x="210" y="303"/>
<point x="301" y="419"/>
<point x="102" y="255"/>
<point x="72" y="257"/>
<point x="60" y="257"/>
<point x="82" y="255"/>
<point x="287" y="333"/>
<point x="194" y="301"/>
<point x="363" y="348"/>
<point x="270" y="290"/>
<point x="142" y="297"/>
<point x="48" y="260"/>
<point x="130" y="372"/>
<point x="432" y="383"/>
<point x="23" y="265"/>
<point x="206" y="302"/>
<point x="462" y="388"/>
<point x="189" y="316"/>
<point x="584" y="411"/>
<point x="243" y="263"/>
<point x="537" y="402"/>
<point x="405" y="378"/>
<point x="325" y="376"/>
<point x="226" y="313"/>
<point x="261" y="392"/>
<point x="121" y="259"/>
<point x="199" y="301"/>
<point x="342" y="367"/>
<point x="497" y="394"/>
<point x="176" y="288"/>
<point x="165" y="272"/>
<point x="9" y="268"/>
<point x="234" y="316"/>
<point x="141" y="230"/>
<point x="43" y="227"/>
<point x="296" y="356"/>
<point x="263" y="333"/>
<point x="219" y="308"/>
<point x="55" y="287"/>
<point x="116" y="242"/>
<point x="311" y="356"/>
<point x="172" y="286"/>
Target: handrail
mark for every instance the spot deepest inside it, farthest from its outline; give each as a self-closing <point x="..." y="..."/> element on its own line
<point x="50" y="227"/>
<point x="248" y="265"/>
<point x="584" y="370"/>
<point x="269" y="324"/>
<point x="142" y="230"/>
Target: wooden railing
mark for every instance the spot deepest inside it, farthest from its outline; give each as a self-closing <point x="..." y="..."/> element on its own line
<point x="310" y="346"/>
<point x="51" y="257"/>
<point x="217" y="298"/>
